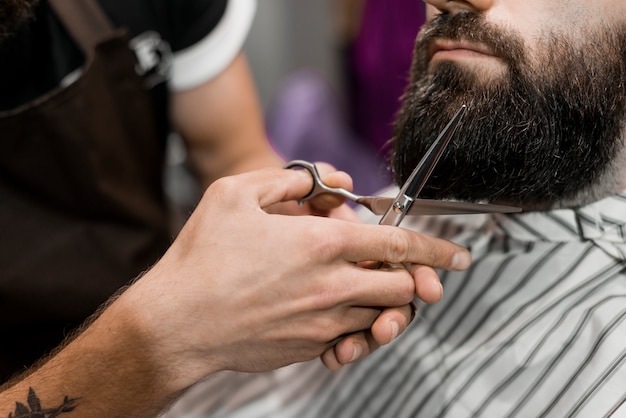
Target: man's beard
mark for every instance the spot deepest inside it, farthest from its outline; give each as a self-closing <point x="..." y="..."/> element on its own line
<point x="547" y="132"/>
<point x="13" y="13"/>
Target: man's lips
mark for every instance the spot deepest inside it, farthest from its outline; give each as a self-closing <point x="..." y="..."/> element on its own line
<point x="448" y="49"/>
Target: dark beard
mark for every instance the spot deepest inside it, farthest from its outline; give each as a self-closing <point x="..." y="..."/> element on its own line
<point x="531" y="137"/>
<point x="13" y="13"/>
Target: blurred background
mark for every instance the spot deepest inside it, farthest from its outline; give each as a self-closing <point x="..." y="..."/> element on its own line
<point x="330" y="74"/>
<point x="288" y="35"/>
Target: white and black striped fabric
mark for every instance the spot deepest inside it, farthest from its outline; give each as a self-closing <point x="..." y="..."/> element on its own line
<point x="535" y="328"/>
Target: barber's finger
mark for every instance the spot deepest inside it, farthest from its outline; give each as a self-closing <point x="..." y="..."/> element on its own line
<point x="355" y="318"/>
<point x="329" y="359"/>
<point x="366" y="287"/>
<point x="333" y="322"/>
<point x="333" y="205"/>
<point x="397" y="245"/>
<point x="263" y="187"/>
<point x="391" y="323"/>
<point x="428" y="287"/>
<point x="274" y="185"/>
<point x="354" y="347"/>
<point x="349" y="349"/>
<point x="332" y="178"/>
<point x="271" y="186"/>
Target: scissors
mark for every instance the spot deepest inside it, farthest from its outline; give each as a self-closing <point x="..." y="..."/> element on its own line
<point x="406" y="202"/>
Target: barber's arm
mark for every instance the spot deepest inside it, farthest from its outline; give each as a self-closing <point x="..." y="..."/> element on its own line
<point x="222" y="125"/>
<point x="239" y="289"/>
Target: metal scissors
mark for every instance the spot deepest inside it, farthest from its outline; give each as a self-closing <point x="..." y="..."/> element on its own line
<point x="406" y="202"/>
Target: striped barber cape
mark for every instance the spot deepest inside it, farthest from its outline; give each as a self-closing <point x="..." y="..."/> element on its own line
<point x="535" y="328"/>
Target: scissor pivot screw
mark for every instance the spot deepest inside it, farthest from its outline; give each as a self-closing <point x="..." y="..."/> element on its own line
<point x="398" y="207"/>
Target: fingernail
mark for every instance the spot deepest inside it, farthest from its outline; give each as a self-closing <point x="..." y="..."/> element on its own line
<point x="461" y="261"/>
<point x="356" y="353"/>
<point x="440" y="291"/>
<point x="395" y="330"/>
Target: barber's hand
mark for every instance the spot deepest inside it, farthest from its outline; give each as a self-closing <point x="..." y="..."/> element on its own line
<point x="241" y="289"/>
<point x="392" y="321"/>
<point x="326" y="204"/>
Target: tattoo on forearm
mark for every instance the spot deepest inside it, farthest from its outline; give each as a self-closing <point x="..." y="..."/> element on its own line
<point x="35" y="410"/>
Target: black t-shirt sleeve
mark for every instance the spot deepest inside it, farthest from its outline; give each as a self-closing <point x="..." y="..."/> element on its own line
<point x="209" y="56"/>
<point x="192" y="20"/>
<point x="204" y="35"/>
<point x="181" y="23"/>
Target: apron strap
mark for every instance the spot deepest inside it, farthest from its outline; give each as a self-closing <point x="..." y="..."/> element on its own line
<point x="85" y="20"/>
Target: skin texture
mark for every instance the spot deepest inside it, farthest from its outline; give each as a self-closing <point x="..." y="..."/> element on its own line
<point x="546" y="105"/>
<point x="197" y="311"/>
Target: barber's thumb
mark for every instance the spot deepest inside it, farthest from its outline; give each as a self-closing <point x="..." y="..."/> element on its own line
<point x="280" y="185"/>
<point x="332" y="178"/>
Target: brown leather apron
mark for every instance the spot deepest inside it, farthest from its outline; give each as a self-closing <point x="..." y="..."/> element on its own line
<point x="82" y="210"/>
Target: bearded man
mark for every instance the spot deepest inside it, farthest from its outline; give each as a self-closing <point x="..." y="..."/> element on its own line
<point x="537" y="326"/>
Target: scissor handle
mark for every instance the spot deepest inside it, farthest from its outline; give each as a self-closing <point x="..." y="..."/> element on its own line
<point x="319" y="187"/>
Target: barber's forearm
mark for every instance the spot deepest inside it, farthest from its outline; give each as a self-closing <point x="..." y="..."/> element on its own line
<point x="209" y="164"/>
<point x="107" y="371"/>
<point x="222" y="124"/>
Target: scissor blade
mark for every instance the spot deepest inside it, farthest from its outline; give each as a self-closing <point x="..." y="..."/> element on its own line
<point x="441" y="207"/>
<point x="425" y="167"/>
<point x="418" y="178"/>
